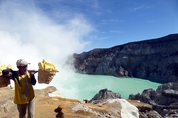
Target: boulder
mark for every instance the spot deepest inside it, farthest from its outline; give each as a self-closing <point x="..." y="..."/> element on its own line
<point x="144" y="109"/>
<point x="164" y="99"/>
<point x="104" y="94"/>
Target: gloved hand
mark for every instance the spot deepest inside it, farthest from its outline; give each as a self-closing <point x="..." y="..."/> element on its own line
<point x="7" y="73"/>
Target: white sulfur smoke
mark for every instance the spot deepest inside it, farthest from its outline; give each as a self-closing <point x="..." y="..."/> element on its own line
<point x="28" y="32"/>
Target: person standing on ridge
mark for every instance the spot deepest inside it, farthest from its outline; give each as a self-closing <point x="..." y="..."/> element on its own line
<point x="24" y="92"/>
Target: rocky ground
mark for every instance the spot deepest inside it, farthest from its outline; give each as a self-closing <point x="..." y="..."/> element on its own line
<point x="159" y="103"/>
<point x="59" y="107"/>
<point x="164" y="99"/>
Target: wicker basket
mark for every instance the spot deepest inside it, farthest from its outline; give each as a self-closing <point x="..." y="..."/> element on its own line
<point x="45" y="76"/>
<point x="4" y="81"/>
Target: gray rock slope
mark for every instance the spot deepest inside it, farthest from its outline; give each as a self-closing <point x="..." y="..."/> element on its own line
<point x="155" y="60"/>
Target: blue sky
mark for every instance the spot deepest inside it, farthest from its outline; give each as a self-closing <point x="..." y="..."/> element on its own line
<point x="54" y="29"/>
<point x="117" y="22"/>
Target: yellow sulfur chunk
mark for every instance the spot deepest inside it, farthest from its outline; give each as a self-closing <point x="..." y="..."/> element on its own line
<point x="46" y="66"/>
<point x="3" y="67"/>
<point x="41" y="66"/>
<point x="9" y="66"/>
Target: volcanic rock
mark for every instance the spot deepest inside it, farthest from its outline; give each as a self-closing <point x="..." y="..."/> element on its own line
<point x="164" y="99"/>
<point x="155" y="60"/>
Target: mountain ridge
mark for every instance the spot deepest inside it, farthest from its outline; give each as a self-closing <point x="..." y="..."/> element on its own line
<point x="153" y="59"/>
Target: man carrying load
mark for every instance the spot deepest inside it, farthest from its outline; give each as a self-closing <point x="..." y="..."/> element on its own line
<point x="24" y="92"/>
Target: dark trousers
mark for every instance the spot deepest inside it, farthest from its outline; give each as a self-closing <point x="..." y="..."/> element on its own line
<point x="22" y="108"/>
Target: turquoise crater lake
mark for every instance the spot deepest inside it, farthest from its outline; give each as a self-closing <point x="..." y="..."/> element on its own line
<point x="80" y="86"/>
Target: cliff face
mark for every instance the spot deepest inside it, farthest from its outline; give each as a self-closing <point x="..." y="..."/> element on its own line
<point x="154" y="59"/>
